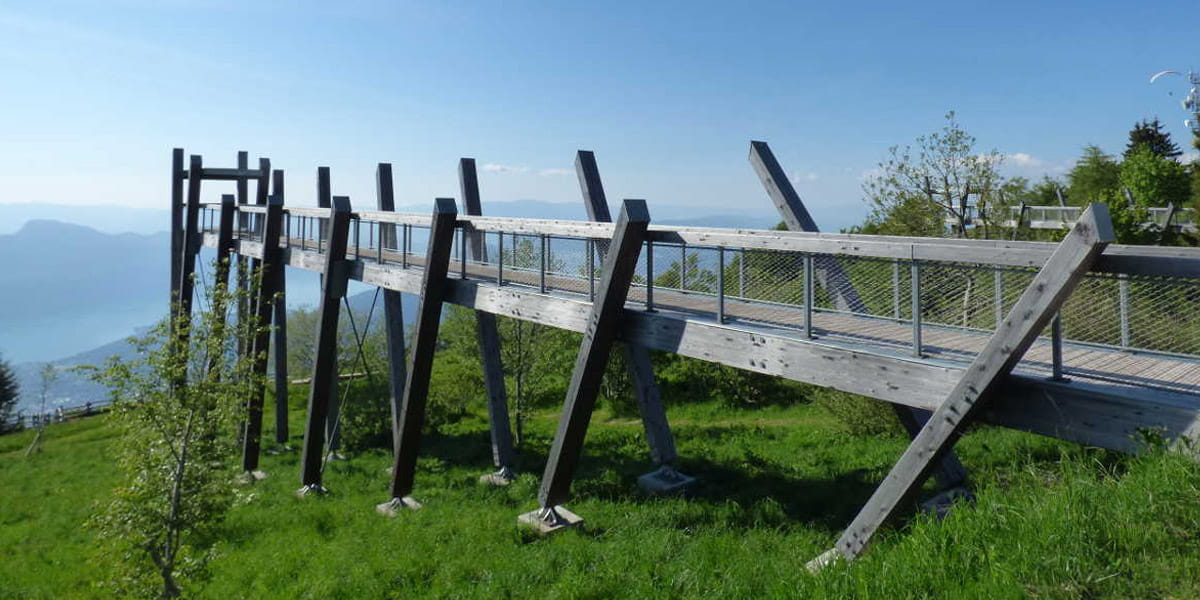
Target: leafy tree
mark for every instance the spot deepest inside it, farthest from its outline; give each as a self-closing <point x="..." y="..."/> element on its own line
<point x="9" y="393"/>
<point x="1095" y="176"/>
<point x="176" y="451"/>
<point x="1152" y="181"/>
<point x="1150" y="135"/>
<point x="916" y="189"/>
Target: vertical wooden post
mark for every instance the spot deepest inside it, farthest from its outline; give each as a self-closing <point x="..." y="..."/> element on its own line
<point x="416" y="389"/>
<point x="393" y="310"/>
<point x="324" y="200"/>
<point x="637" y="358"/>
<point x="177" y="235"/>
<point x="267" y="276"/>
<point x="221" y="271"/>
<point x="280" y="332"/>
<point x="244" y="265"/>
<point x="191" y="239"/>
<point x="619" y="266"/>
<point x="324" y="377"/>
<point x="503" y="456"/>
<point x="1051" y="287"/>
<point x="951" y="475"/>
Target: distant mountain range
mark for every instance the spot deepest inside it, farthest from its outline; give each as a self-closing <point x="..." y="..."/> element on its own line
<point x="78" y="280"/>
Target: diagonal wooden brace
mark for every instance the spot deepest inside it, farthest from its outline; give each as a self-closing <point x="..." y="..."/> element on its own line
<point x="503" y="456"/>
<point x="598" y="337"/>
<point x="323" y="388"/>
<point x="429" y="315"/>
<point x="267" y="276"/>
<point x="950" y="472"/>
<point x="1051" y="287"/>
<point x="641" y="371"/>
<point x="393" y="310"/>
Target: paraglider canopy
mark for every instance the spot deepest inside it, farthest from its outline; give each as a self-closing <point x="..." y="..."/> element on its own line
<point x="1161" y="73"/>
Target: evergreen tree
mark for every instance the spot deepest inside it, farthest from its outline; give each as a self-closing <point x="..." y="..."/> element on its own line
<point x="8" y="393"/>
<point x="1094" y="176"/>
<point x="1149" y="134"/>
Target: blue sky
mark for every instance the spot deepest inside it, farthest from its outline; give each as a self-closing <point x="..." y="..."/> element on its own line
<point x="667" y="94"/>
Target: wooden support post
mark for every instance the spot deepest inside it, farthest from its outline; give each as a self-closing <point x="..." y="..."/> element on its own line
<point x="324" y="376"/>
<point x="416" y="389"/>
<point x="221" y="271"/>
<point x="951" y="474"/>
<point x="829" y="273"/>
<point x="637" y="358"/>
<point x="280" y="331"/>
<point x="393" y="310"/>
<point x="244" y="265"/>
<point x="266" y="276"/>
<point x="191" y="240"/>
<point x="177" y="235"/>
<point x="1041" y="300"/>
<point x="324" y="200"/>
<point x="503" y="455"/>
<point x="598" y="337"/>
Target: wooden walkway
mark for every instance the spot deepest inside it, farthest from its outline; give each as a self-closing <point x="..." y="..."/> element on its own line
<point x="939" y="343"/>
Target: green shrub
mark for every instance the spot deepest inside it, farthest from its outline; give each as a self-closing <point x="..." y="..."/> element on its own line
<point x="861" y="416"/>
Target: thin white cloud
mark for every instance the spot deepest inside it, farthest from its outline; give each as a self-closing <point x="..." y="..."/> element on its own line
<point x="498" y="168"/>
<point x="1022" y="159"/>
<point x="1188" y="158"/>
<point x="801" y="177"/>
<point x="554" y="172"/>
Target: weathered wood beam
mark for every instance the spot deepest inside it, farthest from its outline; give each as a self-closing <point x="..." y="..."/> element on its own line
<point x="393" y="309"/>
<point x="266" y="276"/>
<point x="1053" y="284"/>
<point x="191" y="241"/>
<point x="1103" y="415"/>
<point x="641" y="370"/>
<point x="324" y="377"/>
<point x="416" y="389"/>
<point x="488" y="333"/>
<point x="177" y="234"/>
<point x="950" y="472"/>
<point x="280" y="329"/>
<point x="221" y="271"/>
<point x="603" y="322"/>
<point x="324" y="200"/>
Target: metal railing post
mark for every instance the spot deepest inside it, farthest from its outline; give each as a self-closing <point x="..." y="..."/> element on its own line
<point x="809" y="282"/>
<point x="896" y="289"/>
<point x="542" y="271"/>
<point x="406" y="232"/>
<point x="462" y="252"/>
<point x="720" y="284"/>
<point x="500" y="260"/>
<point x="649" y="275"/>
<point x="915" y="289"/>
<point x="1123" y="308"/>
<point x="683" y="267"/>
<point x="998" y="292"/>
<point x="591" y="269"/>
<point x="742" y="273"/>
<point x="1056" y="341"/>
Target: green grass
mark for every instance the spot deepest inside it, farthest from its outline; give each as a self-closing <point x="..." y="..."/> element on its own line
<point x="1052" y="520"/>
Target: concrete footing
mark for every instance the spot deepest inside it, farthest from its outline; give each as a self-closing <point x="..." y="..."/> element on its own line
<point x="315" y="489"/>
<point x="250" y="477"/>
<point x="824" y="560"/>
<point x="500" y="478"/>
<point x="941" y="504"/>
<point x="396" y="506"/>
<point x="548" y="520"/>
<point x="665" y="481"/>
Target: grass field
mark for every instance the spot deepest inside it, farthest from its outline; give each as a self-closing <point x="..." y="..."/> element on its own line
<point x="1052" y="520"/>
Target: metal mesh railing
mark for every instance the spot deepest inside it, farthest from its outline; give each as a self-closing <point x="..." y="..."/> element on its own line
<point x="854" y="297"/>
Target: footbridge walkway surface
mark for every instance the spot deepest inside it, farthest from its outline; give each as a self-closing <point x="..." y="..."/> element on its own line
<point x="1081" y="340"/>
